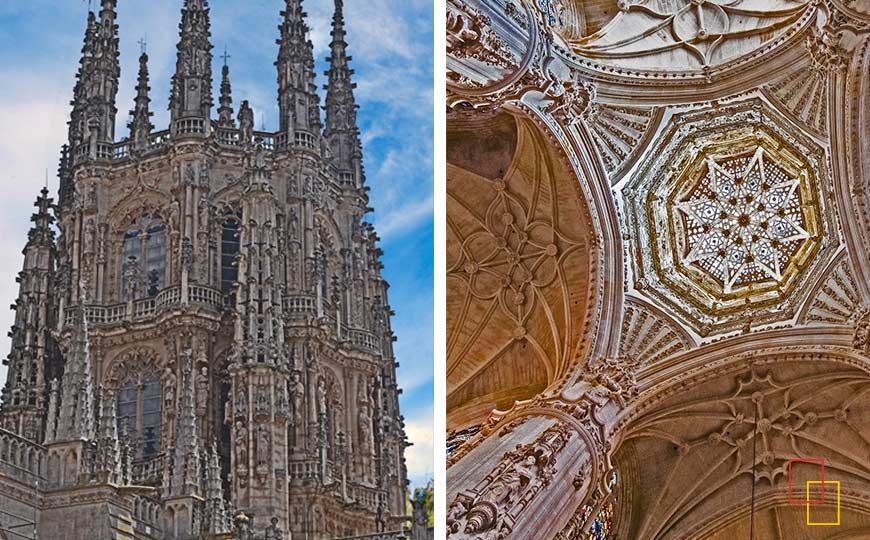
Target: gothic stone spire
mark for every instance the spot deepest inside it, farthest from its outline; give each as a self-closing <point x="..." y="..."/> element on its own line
<point x="191" y="98"/>
<point x="225" y="112"/>
<point x="76" y="123"/>
<point x="342" y="134"/>
<point x="76" y="415"/>
<point x="108" y="462"/>
<point x="140" y="125"/>
<point x="102" y="89"/>
<point x="298" y="101"/>
<point x="65" y="176"/>
<point x="186" y="465"/>
<point x="25" y="392"/>
<point x="94" y="110"/>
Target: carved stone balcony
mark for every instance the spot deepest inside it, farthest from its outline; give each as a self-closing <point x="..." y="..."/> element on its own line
<point x="145" y="308"/>
<point x="22" y="460"/>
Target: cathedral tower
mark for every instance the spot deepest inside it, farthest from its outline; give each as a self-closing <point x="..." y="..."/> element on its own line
<point x="208" y="339"/>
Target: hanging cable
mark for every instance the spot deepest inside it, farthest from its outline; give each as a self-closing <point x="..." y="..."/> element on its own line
<point x="754" y="461"/>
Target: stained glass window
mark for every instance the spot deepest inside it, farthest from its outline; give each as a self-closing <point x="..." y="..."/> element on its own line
<point x="743" y="221"/>
<point x="583" y="526"/>
<point x="458" y="438"/>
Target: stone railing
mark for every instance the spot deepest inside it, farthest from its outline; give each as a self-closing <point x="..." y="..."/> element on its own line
<point x="303" y="470"/>
<point x="21" y="459"/>
<point x="190" y="126"/>
<point x="364" y="340"/>
<point x="393" y="535"/>
<point x="228" y="137"/>
<point x="148" y="307"/>
<point x="300" y="306"/>
<point x="148" y="472"/>
<point x="366" y="496"/>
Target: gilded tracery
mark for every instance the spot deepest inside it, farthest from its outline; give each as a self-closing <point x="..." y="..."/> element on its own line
<point x="743" y="221"/>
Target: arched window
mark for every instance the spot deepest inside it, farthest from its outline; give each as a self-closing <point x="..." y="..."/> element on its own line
<point x="230" y="247"/>
<point x="139" y="415"/>
<point x="584" y="527"/>
<point x="145" y="247"/>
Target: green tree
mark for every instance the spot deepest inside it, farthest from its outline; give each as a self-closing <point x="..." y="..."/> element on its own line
<point x="427" y="496"/>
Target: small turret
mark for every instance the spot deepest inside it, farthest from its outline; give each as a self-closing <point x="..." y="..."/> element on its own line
<point x="298" y="101"/>
<point x="190" y="101"/>
<point x="25" y="393"/>
<point x="225" y="112"/>
<point x="140" y="125"/>
<point x="341" y="133"/>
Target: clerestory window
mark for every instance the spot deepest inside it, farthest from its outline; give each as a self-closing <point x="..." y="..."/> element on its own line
<point x="138" y="412"/>
<point x="144" y="267"/>
<point x="230" y="247"/>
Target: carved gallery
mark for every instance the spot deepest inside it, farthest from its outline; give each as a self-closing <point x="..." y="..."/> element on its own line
<point x="658" y="269"/>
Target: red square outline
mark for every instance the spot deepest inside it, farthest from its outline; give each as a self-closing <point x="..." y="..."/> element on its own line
<point x="791" y="500"/>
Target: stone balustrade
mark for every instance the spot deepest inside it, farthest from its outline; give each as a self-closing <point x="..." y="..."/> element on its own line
<point x="364" y="340"/>
<point x="166" y="299"/>
<point x="393" y="535"/>
<point x="148" y="472"/>
<point x="195" y="127"/>
<point x="21" y="459"/>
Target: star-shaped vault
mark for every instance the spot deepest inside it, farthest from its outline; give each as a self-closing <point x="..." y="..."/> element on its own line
<point x="743" y="221"/>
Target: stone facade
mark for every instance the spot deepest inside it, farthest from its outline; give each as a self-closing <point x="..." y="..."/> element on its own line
<point x="204" y="351"/>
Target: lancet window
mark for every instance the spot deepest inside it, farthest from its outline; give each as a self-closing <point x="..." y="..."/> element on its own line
<point x="144" y="272"/>
<point x="230" y="247"/>
<point x="139" y="414"/>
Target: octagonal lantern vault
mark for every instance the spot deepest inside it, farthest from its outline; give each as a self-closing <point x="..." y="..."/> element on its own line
<point x="729" y="218"/>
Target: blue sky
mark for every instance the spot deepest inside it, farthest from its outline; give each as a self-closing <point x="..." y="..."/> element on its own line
<point x="391" y="42"/>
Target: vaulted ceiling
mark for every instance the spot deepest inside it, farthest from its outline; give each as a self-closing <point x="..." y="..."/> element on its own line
<point x="731" y="140"/>
<point x="517" y="263"/>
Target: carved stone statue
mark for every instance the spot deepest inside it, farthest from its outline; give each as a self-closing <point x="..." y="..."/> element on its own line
<point x="169" y="382"/>
<point x="246" y="122"/>
<point x="297" y="392"/>
<point x="262" y="398"/>
<point x="241" y="445"/>
<point x="263" y="450"/>
<point x="202" y="390"/>
<point x="321" y="396"/>
<point x="131" y="277"/>
<point x="365" y="429"/>
<point x="241" y="404"/>
<point x="273" y="532"/>
<point x="243" y="527"/>
<point x="507" y="485"/>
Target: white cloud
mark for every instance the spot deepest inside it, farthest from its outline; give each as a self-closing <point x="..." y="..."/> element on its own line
<point x="419" y="457"/>
<point x="404" y="218"/>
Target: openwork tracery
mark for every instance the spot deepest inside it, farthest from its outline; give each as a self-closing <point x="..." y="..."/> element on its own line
<point x="744" y="220"/>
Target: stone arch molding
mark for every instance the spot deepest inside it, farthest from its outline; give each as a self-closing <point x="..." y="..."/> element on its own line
<point x="134" y="360"/>
<point x="699" y="429"/>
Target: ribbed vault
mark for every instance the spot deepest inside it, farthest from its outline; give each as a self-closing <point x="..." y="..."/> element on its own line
<point x="517" y="264"/>
<point x="705" y="434"/>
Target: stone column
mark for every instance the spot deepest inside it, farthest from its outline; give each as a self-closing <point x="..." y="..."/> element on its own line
<point x="530" y="468"/>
